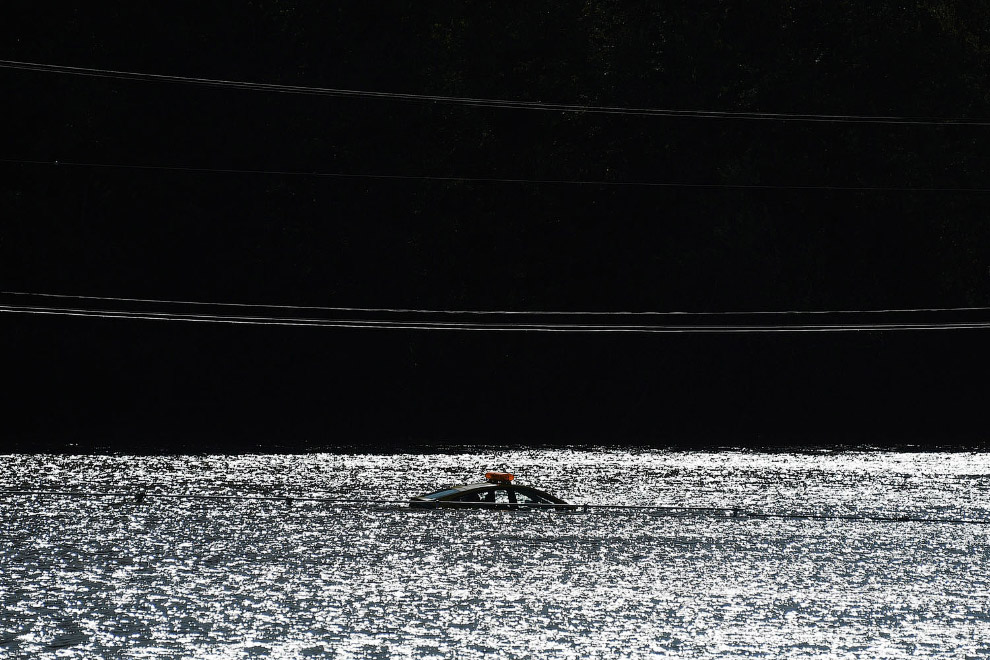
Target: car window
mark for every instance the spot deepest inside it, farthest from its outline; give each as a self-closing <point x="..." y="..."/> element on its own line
<point x="502" y="496"/>
<point x="476" y="496"/>
<point x="530" y="498"/>
<point x="441" y="493"/>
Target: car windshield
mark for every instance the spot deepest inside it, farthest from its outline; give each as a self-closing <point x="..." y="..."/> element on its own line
<point x="442" y="493"/>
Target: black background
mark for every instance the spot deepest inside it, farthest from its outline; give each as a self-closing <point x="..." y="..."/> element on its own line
<point x="298" y="239"/>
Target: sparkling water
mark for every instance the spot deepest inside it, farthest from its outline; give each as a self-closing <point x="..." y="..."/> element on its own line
<point x="101" y="574"/>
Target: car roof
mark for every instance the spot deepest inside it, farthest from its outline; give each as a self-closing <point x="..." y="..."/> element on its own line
<point x="484" y="486"/>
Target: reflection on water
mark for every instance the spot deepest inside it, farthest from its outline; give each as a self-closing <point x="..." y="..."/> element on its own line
<point x="88" y="577"/>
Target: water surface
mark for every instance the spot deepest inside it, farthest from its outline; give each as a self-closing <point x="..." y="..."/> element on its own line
<point x="84" y="577"/>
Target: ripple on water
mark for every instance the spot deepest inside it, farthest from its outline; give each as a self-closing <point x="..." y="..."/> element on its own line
<point x="84" y="577"/>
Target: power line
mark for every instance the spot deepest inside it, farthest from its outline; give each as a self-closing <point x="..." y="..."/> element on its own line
<point x="504" y="104"/>
<point x="496" y="180"/>
<point x="404" y="310"/>
<point x="488" y="326"/>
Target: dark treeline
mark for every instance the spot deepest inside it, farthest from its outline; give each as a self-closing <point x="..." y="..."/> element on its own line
<point x="805" y="242"/>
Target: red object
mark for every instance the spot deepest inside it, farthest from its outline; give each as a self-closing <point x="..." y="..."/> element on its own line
<point x="499" y="477"/>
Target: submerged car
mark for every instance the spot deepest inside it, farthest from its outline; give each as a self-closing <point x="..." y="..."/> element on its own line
<point x="497" y="492"/>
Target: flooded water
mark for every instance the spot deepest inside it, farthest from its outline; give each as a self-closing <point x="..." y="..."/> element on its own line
<point x="111" y="577"/>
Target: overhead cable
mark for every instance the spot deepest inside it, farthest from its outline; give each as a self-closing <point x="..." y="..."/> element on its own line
<point x="500" y="180"/>
<point x="505" y="104"/>
<point x="405" y="310"/>
<point x="488" y="326"/>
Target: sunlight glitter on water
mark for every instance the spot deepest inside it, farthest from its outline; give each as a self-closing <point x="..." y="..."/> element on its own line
<point x="173" y="578"/>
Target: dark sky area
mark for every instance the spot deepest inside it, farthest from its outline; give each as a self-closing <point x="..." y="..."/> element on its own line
<point x="820" y="156"/>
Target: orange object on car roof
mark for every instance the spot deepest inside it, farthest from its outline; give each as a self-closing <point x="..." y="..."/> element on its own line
<point x="499" y="477"/>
